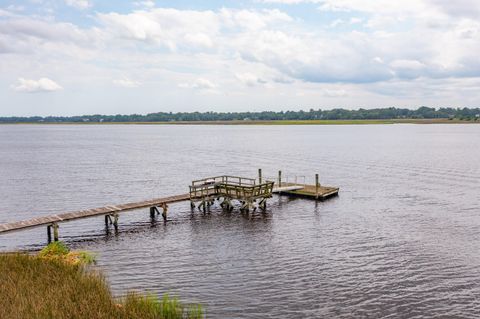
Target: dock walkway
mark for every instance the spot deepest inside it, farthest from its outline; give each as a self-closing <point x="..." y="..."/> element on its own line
<point x="106" y="211"/>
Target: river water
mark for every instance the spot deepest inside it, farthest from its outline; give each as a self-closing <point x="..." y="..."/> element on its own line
<point x="401" y="241"/>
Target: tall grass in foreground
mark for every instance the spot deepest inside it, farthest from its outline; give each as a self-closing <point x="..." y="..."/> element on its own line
<point x="39" y="287"/>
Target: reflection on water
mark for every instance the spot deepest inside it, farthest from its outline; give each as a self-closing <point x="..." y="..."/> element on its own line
<point x="401" y="240"/>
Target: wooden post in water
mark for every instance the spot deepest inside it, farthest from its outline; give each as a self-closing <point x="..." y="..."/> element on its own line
<point x="152" y="212"/>
<point x="259" y="175"/>
<point x="115" y="221"/>
<point x="317" y="186"/>
<point x="49" y="233"/>
<point x="279" y="178"/>
<point x="55" y="231"/>
<point x="164" y="213"/>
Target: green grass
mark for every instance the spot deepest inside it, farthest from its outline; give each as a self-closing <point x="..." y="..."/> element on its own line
<point x="45" y="286"/>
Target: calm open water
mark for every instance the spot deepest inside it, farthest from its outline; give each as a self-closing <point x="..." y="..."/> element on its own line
<point x="401" y="241"/>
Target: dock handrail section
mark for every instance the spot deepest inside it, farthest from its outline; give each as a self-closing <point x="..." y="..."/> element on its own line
<point x="288" y="180"/>
<point x="225" y="179"/>
<point x="233" y="187"/>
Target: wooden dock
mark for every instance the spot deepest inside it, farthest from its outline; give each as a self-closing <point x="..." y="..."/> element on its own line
<point x="250" y="193"/>
<point x="110" y="212"/>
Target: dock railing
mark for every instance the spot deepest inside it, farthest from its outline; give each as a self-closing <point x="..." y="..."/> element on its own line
<point x="288" y="180"/>
<point x="225" y="179"/>
<point x="234" y="187"/>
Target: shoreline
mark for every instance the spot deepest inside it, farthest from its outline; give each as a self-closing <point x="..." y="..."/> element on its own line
<point x="266" y="122"/>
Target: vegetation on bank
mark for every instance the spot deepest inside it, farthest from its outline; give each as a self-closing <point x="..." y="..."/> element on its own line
<point x="57" y="284"/>
<point x="391" y="113"/>
<point x="274" y="122"/>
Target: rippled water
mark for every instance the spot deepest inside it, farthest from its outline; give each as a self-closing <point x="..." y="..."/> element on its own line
<point x="401" y="240"/>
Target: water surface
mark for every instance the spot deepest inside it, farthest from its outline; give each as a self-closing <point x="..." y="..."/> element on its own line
<point x="401" y="240"/>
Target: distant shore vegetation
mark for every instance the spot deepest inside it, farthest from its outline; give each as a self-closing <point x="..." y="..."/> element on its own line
<point x="57" y="283"/>
<point x="380" y="114"/>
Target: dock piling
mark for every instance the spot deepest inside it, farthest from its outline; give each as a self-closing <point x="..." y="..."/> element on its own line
<point x="115" y="221"/>
<point x="259" y="175"/>
<point x="49" y="233"/>
<point x="55" y="231"/>
<point x="317" y="185"/>
<point x="164" y="212"/>
<point x="279" y="178"/>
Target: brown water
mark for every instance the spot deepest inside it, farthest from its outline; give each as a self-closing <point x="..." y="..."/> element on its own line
<point x="401" y="240"/>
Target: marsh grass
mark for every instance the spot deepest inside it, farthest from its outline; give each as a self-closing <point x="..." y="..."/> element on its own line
<point x="59" y="251"/>
<point x="45" y="286"/>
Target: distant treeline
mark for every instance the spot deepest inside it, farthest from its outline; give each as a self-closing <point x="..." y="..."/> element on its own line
<point x="335" y="114"/>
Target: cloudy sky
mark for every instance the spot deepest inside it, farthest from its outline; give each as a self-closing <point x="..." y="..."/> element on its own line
<point x="69" y="57"/>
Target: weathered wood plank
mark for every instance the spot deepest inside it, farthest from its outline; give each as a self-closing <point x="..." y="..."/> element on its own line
<point x="46" y="220"/>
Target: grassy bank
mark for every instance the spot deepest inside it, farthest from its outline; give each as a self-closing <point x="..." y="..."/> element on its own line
<point x="273" y="122"/>
<point x="56" y="284"/>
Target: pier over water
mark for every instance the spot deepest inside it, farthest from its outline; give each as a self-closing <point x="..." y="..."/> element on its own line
<point x="249" y="194"/>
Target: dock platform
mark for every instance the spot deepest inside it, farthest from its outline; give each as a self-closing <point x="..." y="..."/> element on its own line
<point x="308" y="191"/>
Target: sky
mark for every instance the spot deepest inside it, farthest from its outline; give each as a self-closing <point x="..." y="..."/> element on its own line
<point x="73" y="57"/>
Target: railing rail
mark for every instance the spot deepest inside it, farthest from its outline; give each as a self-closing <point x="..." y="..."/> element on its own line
<point x="228" y="179"/>
<point x="288" y="180"/>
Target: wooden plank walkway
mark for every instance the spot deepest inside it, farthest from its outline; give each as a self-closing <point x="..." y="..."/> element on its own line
<point x="106" y="210"/>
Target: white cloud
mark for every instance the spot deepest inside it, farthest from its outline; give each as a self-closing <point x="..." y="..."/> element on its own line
<point x="250" y="79"/>
<point x="146" y="4"/>
<point x="33" y="86"/>
<point x="126" y="82"/>
<point x="200" y="84"/>
<point x="169" y="28"/>
<point x="187" y="29"/>
<point x="334" y="93"/>
<point x="462" y="8"/>
<point x="291" y="1"/>
<point x="79" y="4"/>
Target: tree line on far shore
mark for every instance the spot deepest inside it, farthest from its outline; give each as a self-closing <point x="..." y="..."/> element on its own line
<point x="334" y="114"/>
